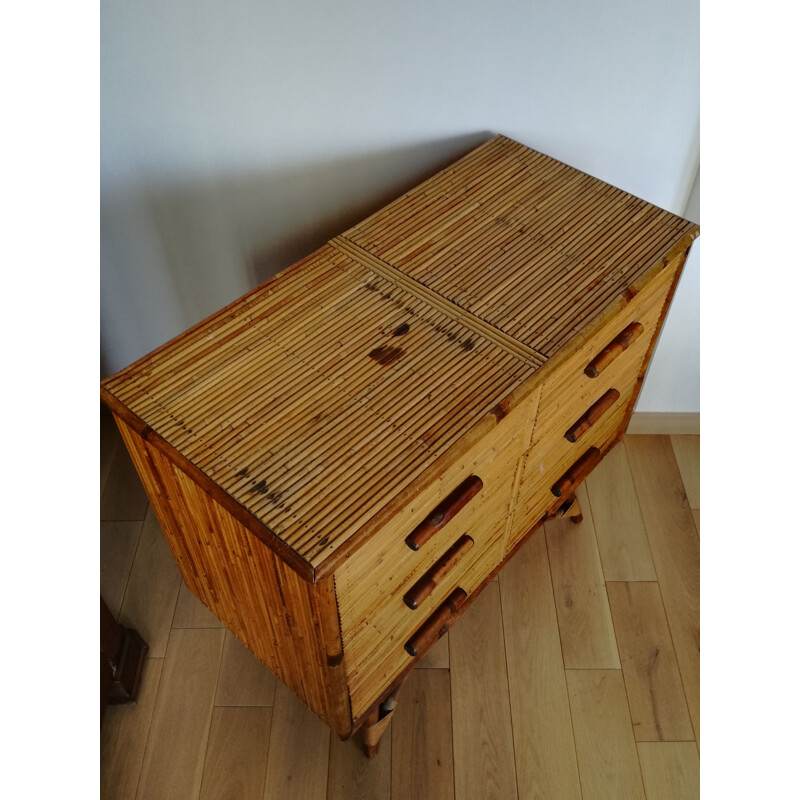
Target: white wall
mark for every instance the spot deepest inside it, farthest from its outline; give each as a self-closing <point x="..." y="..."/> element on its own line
<point x="239" y="136"/>
<point x="673" y="379"/>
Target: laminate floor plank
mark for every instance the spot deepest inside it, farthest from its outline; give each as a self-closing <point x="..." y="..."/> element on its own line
<point x="149" y="603"/>
<point x="236" y="758"/>
<point x="191" y="613"/>
<point x="676" y="553"/>
<point x="619" y="527"/>
<point x="353" y="776"/>
<point x="687" y="454"/>
<point x="671" y="770"/>
<point x="176" y="746"/>
<point x="243" y="679"/>
<point x="109" y="442"/>
<point x="422" y="739"/>
<point x="542" y="727"/>
<point x="607" y="756"/>
<point x="118" y="542"/>
<point x="438" y="657"/>
<point x="649" y="667"/>
<point x="584" y="619"/>
<point x="696" y="516"/>
<point x="123" y="736"/>
<point x="123" y="496"/>
<point x="483" y="747"/>
<point x="299" y="745"/>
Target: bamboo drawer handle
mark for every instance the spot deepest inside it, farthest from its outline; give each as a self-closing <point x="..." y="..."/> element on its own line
<point x="616" y="347"/>
<point x="576" y="473"/>
<point x="444" y="512"/>
<point x="437" y="624"/>
<point x="436" y="574"/>
<point x="592" y="415"/>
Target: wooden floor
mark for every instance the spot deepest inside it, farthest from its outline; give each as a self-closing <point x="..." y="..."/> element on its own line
<point x="574" y="675"/>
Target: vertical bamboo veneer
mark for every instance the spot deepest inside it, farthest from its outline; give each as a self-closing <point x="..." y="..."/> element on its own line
<point x="342" y="458"/>
<point x="290" y="624"/>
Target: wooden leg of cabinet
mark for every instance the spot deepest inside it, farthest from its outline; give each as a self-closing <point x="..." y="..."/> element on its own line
<point x="373" y="729"/>
<point x="378" y="721"/>
<point x="570" y="507"/>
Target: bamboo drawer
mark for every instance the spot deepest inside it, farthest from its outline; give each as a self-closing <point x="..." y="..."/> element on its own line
<point x="469" y="496"/>
<point x="552" y="456"/>
<point x="570" y="390"/>
<point x="388" y="566"/>
<point x="341" y="458"/>
<point x="388" y="589"/>
<point x="378" y="651"/>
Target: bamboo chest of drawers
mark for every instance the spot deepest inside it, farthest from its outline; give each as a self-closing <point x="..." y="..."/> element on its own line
<point x="342" y="458"/>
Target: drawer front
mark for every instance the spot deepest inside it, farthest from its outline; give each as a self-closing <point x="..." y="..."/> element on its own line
<point x="570" y="391"/>
<point x="580" y="400"/>
<point x="371" y="588"/>
<point x="385" y="562"/>
<point x="379" y="652"/>
<point x="548" y="460"/>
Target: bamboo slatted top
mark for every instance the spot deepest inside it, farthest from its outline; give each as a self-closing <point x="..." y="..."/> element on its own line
<point x="530" y="245"/>
<point x="316" y="398"/>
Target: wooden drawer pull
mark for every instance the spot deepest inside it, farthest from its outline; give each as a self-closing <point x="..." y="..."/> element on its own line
<point x="576" y="473"/>
<point x="619" y="345"/>
<point x="436" y="574"/>
<point x="437" y="624"/>
<point x="592" y="415"/>
<point x="444" y="512"/>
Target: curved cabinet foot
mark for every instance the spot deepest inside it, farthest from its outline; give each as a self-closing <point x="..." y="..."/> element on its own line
<point x="378" y="721"/>
<point x="570" y="507"/>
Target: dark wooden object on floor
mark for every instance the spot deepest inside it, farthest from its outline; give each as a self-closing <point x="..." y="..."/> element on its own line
<point x="122" y="655"/>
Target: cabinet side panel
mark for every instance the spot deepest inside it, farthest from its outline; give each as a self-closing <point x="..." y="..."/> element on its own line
<point x="291" y="625"/>
<point x="683" y="254"/>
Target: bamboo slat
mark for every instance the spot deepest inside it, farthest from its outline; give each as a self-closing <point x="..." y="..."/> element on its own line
<point x="249" y="588"/>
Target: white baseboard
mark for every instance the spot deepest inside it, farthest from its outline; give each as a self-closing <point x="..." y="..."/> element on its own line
<point x="658" y="422"/>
